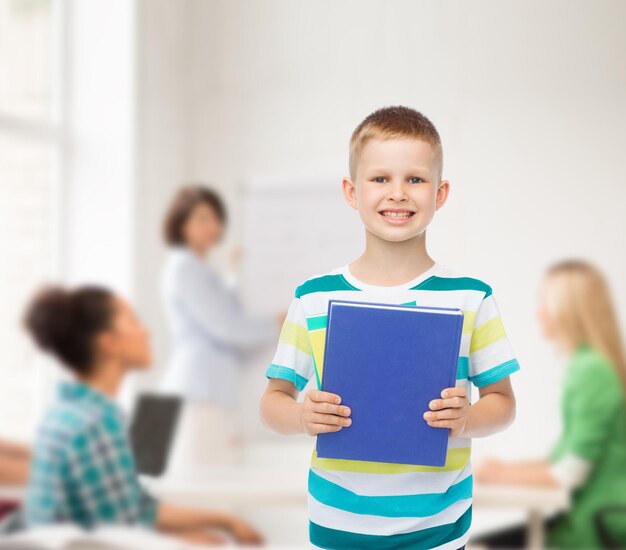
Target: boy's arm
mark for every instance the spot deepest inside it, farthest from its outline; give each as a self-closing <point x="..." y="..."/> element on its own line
<point x="279" y="409"/>
<point x="493" y="412"/>
<point x="319" y="411"/>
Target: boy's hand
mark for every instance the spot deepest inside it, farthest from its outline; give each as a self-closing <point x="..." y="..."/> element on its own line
<point x="450" y="412"/>
<point x="321" y="412"/>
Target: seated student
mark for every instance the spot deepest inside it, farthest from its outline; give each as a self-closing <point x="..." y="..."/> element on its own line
<point x="589" y="459"/>
<point x="83" y="469"/>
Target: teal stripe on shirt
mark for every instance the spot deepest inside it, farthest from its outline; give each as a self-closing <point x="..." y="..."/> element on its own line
<point x="421" y="505"/>
<point x="454" y="283"/>
<point x="462" y="368"/>
<point x="279" y="371"/>
<point x="317" y="323"/>
<point x="327" y="283"/>
<point x="330" y="283"/>
<point x="430" y="537"/>
<point x="495" y="373"/>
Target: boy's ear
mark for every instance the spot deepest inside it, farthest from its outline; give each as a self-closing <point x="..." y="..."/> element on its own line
<point x="442" y="193"/>
<point x="349" y="192"/>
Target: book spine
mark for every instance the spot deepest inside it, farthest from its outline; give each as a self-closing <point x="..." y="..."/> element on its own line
<point x="453" y="371"/>
<point x="329" y="313"/>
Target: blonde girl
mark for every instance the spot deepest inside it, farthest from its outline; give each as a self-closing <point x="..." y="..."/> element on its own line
<point x="575" y="312"/>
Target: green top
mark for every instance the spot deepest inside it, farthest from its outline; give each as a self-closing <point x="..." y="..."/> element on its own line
<point x="594" y="429"/>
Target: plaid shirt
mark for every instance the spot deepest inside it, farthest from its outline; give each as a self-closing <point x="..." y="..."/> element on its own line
<point x="83" y="469"/>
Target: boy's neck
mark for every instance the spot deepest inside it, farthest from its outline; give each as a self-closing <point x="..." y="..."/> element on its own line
<point x="391" y="263"/>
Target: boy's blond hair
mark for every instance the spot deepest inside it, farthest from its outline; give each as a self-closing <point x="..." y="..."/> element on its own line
<point x="392" y="123"/>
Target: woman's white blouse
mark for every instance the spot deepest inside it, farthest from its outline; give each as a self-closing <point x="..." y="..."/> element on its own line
<point x="209" y="331"/>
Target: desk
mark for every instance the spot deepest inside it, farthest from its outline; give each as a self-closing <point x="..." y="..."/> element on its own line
<point x="537" y="502"/>
<point x="264" y="487"/>
<point x="233" y="487"/>
<point x="249" y="487"/>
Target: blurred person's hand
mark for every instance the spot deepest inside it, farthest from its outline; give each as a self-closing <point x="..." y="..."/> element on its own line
<point x="203" y="538"/>
<point x="488" y="470"/>
<point x="243" y="532"/>
<point x="15" y="459"/>
<point x="234" y="257"/>
<point x="212" y="527"/>
<point x="321" y="412"/>
<point x="280" y="317"/>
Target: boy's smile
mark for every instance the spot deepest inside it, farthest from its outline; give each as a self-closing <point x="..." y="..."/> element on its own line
<point x="397" y="187"/>
<point x="397" y="216"/>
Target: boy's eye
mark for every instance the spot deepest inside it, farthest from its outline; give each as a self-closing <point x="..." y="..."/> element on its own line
<point x="381" y="179"/>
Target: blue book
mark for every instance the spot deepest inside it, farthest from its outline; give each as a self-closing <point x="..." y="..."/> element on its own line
<point x="387" y="362"/>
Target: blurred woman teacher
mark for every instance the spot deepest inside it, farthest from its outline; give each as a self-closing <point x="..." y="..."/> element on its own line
<point x="589" y="459"/>
<point x="209" y="328"/>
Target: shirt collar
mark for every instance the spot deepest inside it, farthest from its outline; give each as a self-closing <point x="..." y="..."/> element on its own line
<point x="79" y="391"/>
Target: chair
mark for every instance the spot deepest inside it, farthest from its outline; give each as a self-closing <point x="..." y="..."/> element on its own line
<point x="7" y="506"/>
<point x="12" y="521"/>
<point x="610" y="525"/>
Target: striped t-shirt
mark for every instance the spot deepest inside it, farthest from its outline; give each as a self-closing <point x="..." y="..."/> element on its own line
<point x="361" y="504"/>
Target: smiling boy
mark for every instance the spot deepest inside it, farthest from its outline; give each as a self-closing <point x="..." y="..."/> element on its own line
<point x="396" y="185"/>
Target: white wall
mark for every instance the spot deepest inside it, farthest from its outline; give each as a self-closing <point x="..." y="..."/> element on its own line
<point x="162" y="144"/>
<point x="528" y="98"/>
<point x="98" y="194"/>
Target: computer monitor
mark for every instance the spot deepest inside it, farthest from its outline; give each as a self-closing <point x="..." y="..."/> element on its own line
<point x="152" y="431"/>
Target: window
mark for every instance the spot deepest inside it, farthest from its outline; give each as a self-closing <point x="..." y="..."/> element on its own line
<point x="30" y="160"/>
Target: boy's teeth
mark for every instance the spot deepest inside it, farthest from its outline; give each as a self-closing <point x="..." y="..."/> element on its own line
<point x="396" y="214"/>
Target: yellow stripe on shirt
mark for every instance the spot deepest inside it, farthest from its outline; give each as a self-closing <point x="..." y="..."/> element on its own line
<point x="456" y="459"/>
<point x="295" y="335"/>
<point x="486" y="334"/>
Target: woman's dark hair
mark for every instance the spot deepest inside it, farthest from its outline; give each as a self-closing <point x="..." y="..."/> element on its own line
<point x="65" y="323"/>
<point x="185" y="200"/>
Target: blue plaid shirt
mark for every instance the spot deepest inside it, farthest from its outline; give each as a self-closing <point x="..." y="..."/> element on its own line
<point x="83" y="469"/>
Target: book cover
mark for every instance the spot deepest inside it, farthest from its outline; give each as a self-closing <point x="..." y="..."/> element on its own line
<point x="387" y="362"/>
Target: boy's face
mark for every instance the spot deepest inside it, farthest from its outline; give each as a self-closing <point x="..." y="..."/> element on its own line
<point x="396" y="187"/>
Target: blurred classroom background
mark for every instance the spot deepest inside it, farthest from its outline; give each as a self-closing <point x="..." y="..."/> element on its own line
<point x="108" y="107"/>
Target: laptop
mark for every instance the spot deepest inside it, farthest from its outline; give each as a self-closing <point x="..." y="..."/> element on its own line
<point x="152" y="431"/>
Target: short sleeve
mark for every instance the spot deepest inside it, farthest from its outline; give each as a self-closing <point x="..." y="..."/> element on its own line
<point x="593" y="399"/>
<point x="491" y="355"/>
<point x="293" y="360"/>
<point x="570" y="471"/>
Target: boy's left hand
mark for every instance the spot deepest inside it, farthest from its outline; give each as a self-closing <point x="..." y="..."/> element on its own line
<point x="449" y="412"/>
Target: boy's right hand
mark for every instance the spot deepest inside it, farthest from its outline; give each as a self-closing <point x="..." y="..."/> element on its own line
<point x="321" y="412"/>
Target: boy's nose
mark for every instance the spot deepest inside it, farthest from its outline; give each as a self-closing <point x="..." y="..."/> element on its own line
<point x="398" y="191"/>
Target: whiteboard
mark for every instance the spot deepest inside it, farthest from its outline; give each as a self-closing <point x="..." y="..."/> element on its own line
<point x="294" y="229"/>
